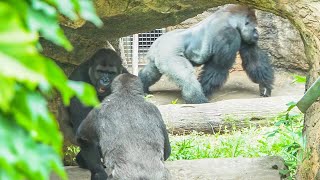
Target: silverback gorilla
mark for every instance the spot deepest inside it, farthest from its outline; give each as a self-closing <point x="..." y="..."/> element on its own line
<point x="129" y="132"/>
<point x="99" y="71"/>
<point x="212" y="43"/>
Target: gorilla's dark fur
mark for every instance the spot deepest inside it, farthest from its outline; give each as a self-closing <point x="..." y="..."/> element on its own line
<point x="255" y="63"/>
<point x="213" y="43"/>
<point x="99" y="71"/>
<point x="130" y="132"/>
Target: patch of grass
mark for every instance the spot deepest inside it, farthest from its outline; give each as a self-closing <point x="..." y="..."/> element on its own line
<point x="174" y="101"/>
<point x="283" y="139"/>
<point x="70" y="155"/>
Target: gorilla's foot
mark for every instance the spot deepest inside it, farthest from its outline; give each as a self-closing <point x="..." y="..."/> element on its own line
<point x="264" y="91"/>
<point x="195" y="100"/>
<point x="147" y="92"/>
<point x="265" y="95"/>
<point x="99" y="176"/>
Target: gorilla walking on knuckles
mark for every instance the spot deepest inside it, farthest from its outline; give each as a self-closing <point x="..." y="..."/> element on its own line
<point x="99" y="71"/>
<point x="213" y="43"/>
<point x="130" y="132"/>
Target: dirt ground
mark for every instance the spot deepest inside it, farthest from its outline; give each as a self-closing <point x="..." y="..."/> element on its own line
<point x="209" y="169"/>
<point x="238" y="86"/>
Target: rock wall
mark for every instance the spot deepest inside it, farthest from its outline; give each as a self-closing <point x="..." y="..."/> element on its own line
<point x="282" y="41"/>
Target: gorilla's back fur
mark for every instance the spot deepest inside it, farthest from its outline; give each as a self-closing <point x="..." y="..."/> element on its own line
<point x="133" y="147"/>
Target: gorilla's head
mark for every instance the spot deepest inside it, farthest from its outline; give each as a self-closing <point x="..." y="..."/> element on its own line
<point x="246" y="22"/>
<point x="129" y="83"/>
<point x="106" y="65"/>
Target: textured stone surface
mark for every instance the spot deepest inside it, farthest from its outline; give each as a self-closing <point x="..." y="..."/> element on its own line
<point x="282" y="41"/>
<point x="265" y="168"/>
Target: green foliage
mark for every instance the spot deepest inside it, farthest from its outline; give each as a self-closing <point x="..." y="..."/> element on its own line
<point x="70" y="155"/>
<point x="299" y="79"/>
<point x="21" y="157"/>
<point x="174" y="101"/>
<point x="283" y="139"/>
<point x="148" y="96"/>
<point x="289" y="127"/>
<point x="30" y="146"/>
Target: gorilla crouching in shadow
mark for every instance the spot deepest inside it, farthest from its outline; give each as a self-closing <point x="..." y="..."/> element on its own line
<point x="130" y="133"/>
<point x="99" y="71"/>
<point x="213" y="43"/>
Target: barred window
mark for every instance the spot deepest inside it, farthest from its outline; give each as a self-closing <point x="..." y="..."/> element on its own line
<point x="141" y="46"/>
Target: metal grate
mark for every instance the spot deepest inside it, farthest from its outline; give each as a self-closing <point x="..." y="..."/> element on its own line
<point x="140" y="44"/>
<point x="127" y="43"/>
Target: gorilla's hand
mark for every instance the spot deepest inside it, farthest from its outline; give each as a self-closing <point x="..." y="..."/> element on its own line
<point x="81" y="161"/>
<point x="264" y="91"/>
<point x="99" y="176"/>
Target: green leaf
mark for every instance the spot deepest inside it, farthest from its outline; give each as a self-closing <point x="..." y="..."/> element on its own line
<point x="87" y="12"/>
<point x="174" y="101"/>
<point x="31" y="112"/>
<point x="85" y="92"/>
<point x="66" y="8"/>
<point x="68" y="89"/>
<point x="42" y="17"/>
<point x="44" y="7"/>
<point x="284" y="171"/>
<point x="20" y="155"/>
<point x="291" y="105"/>
<point x="17" y="70"/>
<point x="299" y="79"/>
<point x="6" y="93"/>
<point x="30" y="140"/>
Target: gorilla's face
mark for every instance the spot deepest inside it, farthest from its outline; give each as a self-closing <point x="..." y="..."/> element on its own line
<point x="248" y="30"/>
<point x="102" y="78"/>
<point x="105" y="67"/>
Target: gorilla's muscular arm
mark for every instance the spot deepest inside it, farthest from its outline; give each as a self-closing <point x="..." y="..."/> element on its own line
<point x="216" y="70"/>
<point x="167" y="147"/>
<point x="90" y="150"/>
<point x="65" y="125"/>
<point x="256" y="63"/>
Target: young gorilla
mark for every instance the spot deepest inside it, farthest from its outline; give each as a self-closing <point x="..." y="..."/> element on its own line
<point x="213" y="43"/>
<point x="130" y="132"/>
<point x="99" y="71"/>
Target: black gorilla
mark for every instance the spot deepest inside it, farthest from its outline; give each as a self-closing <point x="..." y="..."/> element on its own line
<point x="99" y="71"/>
<point x="212" y="43"/>
<point x="129" y="132"/>
<point x="255" y="63"/>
